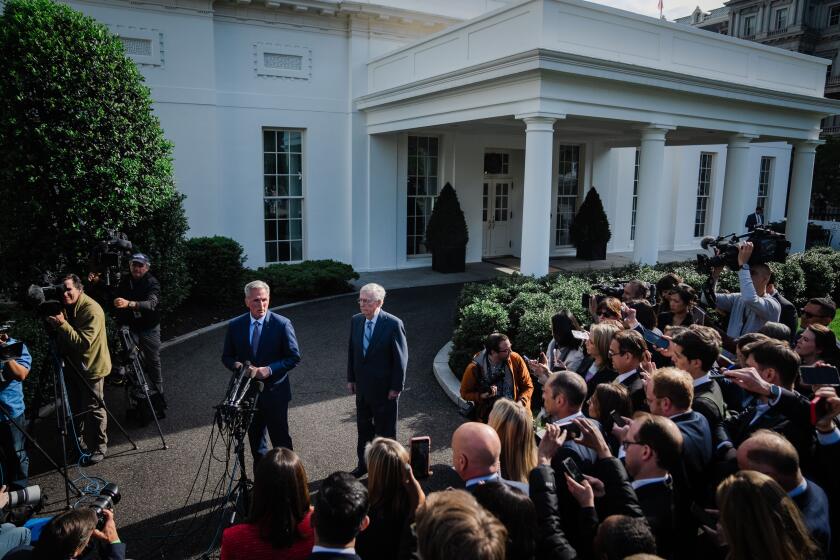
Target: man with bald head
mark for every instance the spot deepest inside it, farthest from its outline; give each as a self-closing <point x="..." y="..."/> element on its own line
<point x="475" y="456"/>
<point x="770" y="453"/>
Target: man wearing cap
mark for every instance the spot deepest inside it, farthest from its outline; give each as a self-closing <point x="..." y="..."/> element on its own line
<point x="136" y="305"/>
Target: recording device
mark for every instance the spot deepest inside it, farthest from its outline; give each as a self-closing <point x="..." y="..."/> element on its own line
<point x="109" y="254"/>
<point x="572" y="430"/>
<point x="6" y="326"/>
<point x="571" y="469"/>
<point x="617" y="419"/>
<point x="655" y="339"/>
<point x="29" y="496"/>
<point x="704" y="517"/>
<point x="419" y="450"/>
<point x="11" y="351"/>
<point x="819" y="375"/>
<point x="48" y="299"/>
<point x="768" y="246"/>
<point x="108" y="497"/>
<point x="616" y="290"/>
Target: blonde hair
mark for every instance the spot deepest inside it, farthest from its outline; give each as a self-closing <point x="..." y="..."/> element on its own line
<point x="514" y="425"/>
<point x="602" y="334"/>
<point x="759" y="520"/>
<point x="386" y="460"/>
<point x="453" y="525"/>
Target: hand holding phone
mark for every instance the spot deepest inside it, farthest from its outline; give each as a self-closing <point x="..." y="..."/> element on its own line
<point x="571" y="468"/>
<point x="419" y="453"/>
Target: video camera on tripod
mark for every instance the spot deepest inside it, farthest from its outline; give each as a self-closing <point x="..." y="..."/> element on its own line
<point x="110" y="254"/>
<point x="47" y="299"/>
<point x="768" y="246"/>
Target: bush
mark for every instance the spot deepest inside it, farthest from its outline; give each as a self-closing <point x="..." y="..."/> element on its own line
<point x="80" y="150"/>
<point x="790" y="280"/>
<point x="832" y="259"/>
<point x="590" y="225"/>
<point x="522" y="303"/>
<point x="819" y="280"/>
<point x="215" y="268"/>
<point x="534" y="332"/>
<point x="307" y="279"/>
<point x="478" y="319"/>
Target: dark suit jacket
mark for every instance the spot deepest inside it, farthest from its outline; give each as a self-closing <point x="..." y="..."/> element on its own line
<point x="382" y="369"/>
<point x="277" y="349"/>
<point x="788" y="316"/>
<point x="813" y="503"/>
<point x="332" y="556"/>
<point x="697" y="442"/>
<point x="551" y="543"/>
<point x="752" y="221"/>
<point x="657" y="501"/>
<point x="604" y="375"/>
<point x="636" y="387"/>
<point x="708" y="401"/>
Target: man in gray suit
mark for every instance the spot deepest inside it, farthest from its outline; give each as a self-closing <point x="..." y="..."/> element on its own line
<point x="376" y="361"/>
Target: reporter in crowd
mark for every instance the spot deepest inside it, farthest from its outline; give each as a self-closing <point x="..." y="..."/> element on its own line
<point x="564" y="350"/>
<point x="664" y="286"/>
<point x="597" y="366"/>
<point x="453" y="525"/>
<point x="11" y="537"/>
<point x="73" y="534"/>
<point x="682" y="299"/>
<point x="340" y="514"/>
<point x="564" y="394"/>
<point x="627" y="351"/>
<point x="759" y="520"/>
<point x="496" y="372"/>
<point x="787" y="315"/>
<point x="635" y="289"/>
<point x="515" y="428"/>
<point x="752" y="307"/>
<point x="609" y="399"/>
<point x="136" y="306"/>
<point x="476" y="456"/>
<point x="15" y="462"/>
<point x="817" y="343"/>
<point x="818" y="311"/>
<point x="608" y="308"/>
<point x="695" y="350"/>
<point x="516" y="512"/>
<point x="83" y="342"/>
<point x="279" y="522"/>
<point x="776" y="331"/>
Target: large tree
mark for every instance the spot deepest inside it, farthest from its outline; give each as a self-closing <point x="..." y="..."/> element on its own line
<point x="80" y="150"/>
<point x="826" y="190"/>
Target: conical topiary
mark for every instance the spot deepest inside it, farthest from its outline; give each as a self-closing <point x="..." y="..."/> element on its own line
<point x="447" y="227"/>
<point x="590" y="229"/>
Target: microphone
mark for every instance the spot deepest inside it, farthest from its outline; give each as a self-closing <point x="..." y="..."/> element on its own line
<point x="36" y="294"/>
<point x="707" y="241"/>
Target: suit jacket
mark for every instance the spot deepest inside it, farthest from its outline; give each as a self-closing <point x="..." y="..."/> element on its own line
<point x="603" y="375"/>
<point x="788" y="316"/>
<point x="552" y="543"/>
<point x="277" y="349"/>
<point x="753" y="220"/>
<point x="333" y="556"/>
<point x="657" y="501"/>
<point x="636" y="387"/>
<point x="708" y="401"/>
<point x="813" y="503"/>
<point x="382" y="369"/>
<point x="697" y="442"/>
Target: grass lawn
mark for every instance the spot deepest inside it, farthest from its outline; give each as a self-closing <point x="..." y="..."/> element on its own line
<point x="835" y="324"/>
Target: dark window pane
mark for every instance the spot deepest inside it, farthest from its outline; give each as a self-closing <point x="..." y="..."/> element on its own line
<point x="409" y="228"/>
<point x="270" y="185"/>
<point x="297" y="250"/>
<point x="412" y="145"/>
<point x="283" y="164"/>
<point x="295" y="229"/>
<point x="282" y="141"/>
<point x="270" y="230"/>
<point x="269" y="144"/>
<point x="295" y="142"/>
<point x="271" y="252"/>
<point x="431" y="186"/>
<point x="412" y="187"/>
<point x="283" y="185"/>
<point x="269" y="209"/>
<point x="421" y="186"/>
<point x="433" y="146"/>
<point x="283" y="253"/>
<point x="295" y="185"/>
<point x="294" y="164"/>
<point x="269" y="164"/>
<point x="283" y="208"/>
<point x="412" y="166"/>
<point x="295" y="208"/>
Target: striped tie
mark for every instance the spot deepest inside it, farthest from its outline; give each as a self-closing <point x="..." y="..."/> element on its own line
<point x="366" y="340"/>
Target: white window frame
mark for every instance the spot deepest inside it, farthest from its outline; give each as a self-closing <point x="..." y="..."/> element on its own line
<point x="749" y="18"/>
<point x="765" y="181"/>
<point x="287" y="197"/>
<point x="776" y="18"/>
<point x="834" y="14"/>
<point x="557" y="231"/>
<point x="430" y="199"/>
<point x="635" y="194"/>
<point x="705" y="174"/>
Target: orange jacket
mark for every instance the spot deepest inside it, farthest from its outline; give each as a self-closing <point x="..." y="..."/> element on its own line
<point x="523" y="387"/>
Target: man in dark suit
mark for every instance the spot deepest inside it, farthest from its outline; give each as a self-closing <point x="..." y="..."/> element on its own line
<point x="770" y="453"/>
<point x="266" y="341"/>
<point x="788" y="316"/>
<point x="695" y="350"/>
<point x="340" y="514"/>
<point x="376" y="363"/>
<point x="755" y="220"/>
<point x="627" y="351"/>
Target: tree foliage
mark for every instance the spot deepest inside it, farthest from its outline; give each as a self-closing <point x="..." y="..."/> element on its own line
<point x="447" y="228"/>
<point x="80" y="150"/>
<point x="590" y="225"/>
<point x="826" y="186"/>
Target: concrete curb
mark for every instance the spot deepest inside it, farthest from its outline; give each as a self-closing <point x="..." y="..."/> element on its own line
<point x="446" y="379"/>
<point x="220" y="324"/>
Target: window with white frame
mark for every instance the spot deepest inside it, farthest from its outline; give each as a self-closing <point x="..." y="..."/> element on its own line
<point x="496" y="163"/>
<point x="283" y="195"/>
<point x="780" y="19"/>
<point x="834" y="15"/>
<point x="567" y="192"/>
<point x="704" y="187"/>
<point x="635" y="195"/>
<point x="765" y="176"/>
<point x="749" y="26"/>
<point x="422" y="190"/>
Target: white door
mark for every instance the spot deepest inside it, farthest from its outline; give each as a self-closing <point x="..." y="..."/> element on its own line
<point x="496" y="218"/>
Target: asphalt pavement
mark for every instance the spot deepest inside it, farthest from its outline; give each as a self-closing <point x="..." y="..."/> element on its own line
<point x="167" y="507"/>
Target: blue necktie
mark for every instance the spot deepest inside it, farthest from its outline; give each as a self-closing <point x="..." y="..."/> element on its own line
<point x="255" y="340"/>
<point x="366" y="339"/>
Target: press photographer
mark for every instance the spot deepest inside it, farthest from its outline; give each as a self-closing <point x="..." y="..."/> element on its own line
<point x="13" y="372"/>
<point x="82" y="340"/>
<point x="69" y="535"/>
<point x="10" y="535"/>
<point x="136" y="306"/>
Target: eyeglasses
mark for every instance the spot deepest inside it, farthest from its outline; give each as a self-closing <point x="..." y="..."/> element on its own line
<point x="808" y="315"/>
<point x="610" y="353"/>
<point x="366" y="300"/>
<point x="627" y="443"/>
<point x="503" y="351"/>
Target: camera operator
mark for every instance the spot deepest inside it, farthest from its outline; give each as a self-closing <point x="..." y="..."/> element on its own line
<point x="82" y="340"/>
<point x="68" y="535"/>
<point x="138" y="296"/>
<point x="12" y="445"/>
<point x="11" y="536"/>
<point x="753" y="306"/>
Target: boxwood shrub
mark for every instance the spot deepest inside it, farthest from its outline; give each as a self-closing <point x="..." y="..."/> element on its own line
<point x="307" y="279"/>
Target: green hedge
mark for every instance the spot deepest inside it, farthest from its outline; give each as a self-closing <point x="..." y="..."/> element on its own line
<point x="522" y="306"/>
<point x="215" y="268"/>
<point x="307" y="279"/>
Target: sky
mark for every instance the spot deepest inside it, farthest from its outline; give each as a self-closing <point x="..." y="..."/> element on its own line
<point x="672" y="8"/>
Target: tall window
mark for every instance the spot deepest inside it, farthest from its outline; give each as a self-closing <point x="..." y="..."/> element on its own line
<point x="834" y="15"/>
<point x="749" y="26"/>
<point x="765" y="175"/>
<point x="422" y="190"/>
<point x="781" y="18"/>
<point x="283" y="195"/>
<point x="567" y="192"/>
<point x="635" y="195"/>
<point x="704" y="184"/>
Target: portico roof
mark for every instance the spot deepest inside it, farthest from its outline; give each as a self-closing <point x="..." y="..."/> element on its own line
<point x="575" y="58"/>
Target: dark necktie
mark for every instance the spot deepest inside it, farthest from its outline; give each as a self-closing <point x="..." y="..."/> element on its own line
<point x="368" y="333"/>
<point x="255" y="340"/>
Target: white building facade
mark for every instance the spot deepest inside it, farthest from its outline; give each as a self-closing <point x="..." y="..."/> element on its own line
<point x="321" y="129"/>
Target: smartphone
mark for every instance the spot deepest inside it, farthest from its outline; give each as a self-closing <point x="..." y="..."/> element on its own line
<point x="819" y="375"/>
<point x="656" y="340"/>
<point x="617" y="419"/>
<point x="580" y="335"/>
<point x="572" y="470"/>
<point x="572" y="430"/>
<point x="419" y="452"/>
<point x="706" y="518"/>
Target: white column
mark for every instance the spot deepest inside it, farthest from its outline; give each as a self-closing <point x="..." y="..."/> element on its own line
<point x="737" y="186"/>
<point x="799" y="198"/>
<point x="651" y="186"/>
<point x="536" y="194"/>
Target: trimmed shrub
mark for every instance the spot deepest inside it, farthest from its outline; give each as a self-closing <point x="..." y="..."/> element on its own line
<point x="790" y="280"/>
<point x="534" y="331"/>
<point x="478" y="319"/>
<point x="819" y="280"/>
<point x="215" y="268"/>
<point x="521" y="304"/>
<point x="307" y="279"/>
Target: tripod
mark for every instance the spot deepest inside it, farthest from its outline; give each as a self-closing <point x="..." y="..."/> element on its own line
<point x="235" y="414"/>
<point x="131" y="354"/>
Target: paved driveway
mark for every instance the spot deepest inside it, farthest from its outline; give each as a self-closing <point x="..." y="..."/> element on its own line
<point x="155" y="483"/>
